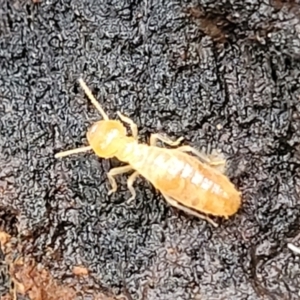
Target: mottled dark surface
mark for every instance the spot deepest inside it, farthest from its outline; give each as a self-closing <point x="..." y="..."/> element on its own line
<point x="223" y="76"/>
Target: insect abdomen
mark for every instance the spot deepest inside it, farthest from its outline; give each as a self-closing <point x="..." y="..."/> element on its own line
<point x="187" y="180"/>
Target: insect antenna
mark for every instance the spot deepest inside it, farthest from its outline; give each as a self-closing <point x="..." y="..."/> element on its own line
<point x="101" y="111"/>
<point x="73" y="151"/>
<point x="92" y="98"/>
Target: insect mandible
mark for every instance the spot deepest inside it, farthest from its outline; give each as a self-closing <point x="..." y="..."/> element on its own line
<point x="191" y="183"/>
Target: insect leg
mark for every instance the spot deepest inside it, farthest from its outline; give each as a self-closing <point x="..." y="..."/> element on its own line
<point x="116" y="171"/>
<point x="130" y="182"/>
<point x="174" y="203"/>
<point x="132" y="125"/>
<point x="211" y="161"/>
<point x="156" y="136"/>
<point x="218" y="161"/>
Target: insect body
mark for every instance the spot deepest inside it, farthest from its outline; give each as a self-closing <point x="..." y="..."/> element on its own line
<point x="192" y="184"/>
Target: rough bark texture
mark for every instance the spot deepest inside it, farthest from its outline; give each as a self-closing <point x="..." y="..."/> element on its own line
<point x="223" y="74"/>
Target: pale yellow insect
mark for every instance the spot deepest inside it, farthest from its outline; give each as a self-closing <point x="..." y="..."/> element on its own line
<point x="186" y="182"/>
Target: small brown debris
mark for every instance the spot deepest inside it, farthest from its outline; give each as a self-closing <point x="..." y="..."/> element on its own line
<point x="4" y="238"/>
<point x="212" y="25"/>
<point x="33" y="280"/>
<point x="38" y="284"/>
<point x="80" y="271"/>
<point x="6" y="297"/>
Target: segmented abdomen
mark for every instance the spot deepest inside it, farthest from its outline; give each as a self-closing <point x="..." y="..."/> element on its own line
<point x="188" y="181"/>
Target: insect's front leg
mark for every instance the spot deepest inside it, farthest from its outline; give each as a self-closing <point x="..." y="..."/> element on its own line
<point x="156" y="136"/>
<point x="116" y="171"/>
<point x="132" y="125"/>
<point x="174" y="203"/>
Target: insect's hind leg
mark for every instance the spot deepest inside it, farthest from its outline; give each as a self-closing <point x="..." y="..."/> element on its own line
<point x="116" y="171"/>
<point x="130" y="182"/>
<point x="155" y="137"/>
<point x="215" y="160"/>
<point x="132" y="125"/>
<point x="188" y="210"/>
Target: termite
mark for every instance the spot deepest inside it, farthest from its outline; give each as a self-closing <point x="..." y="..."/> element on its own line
<point x="192" y="183"/>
